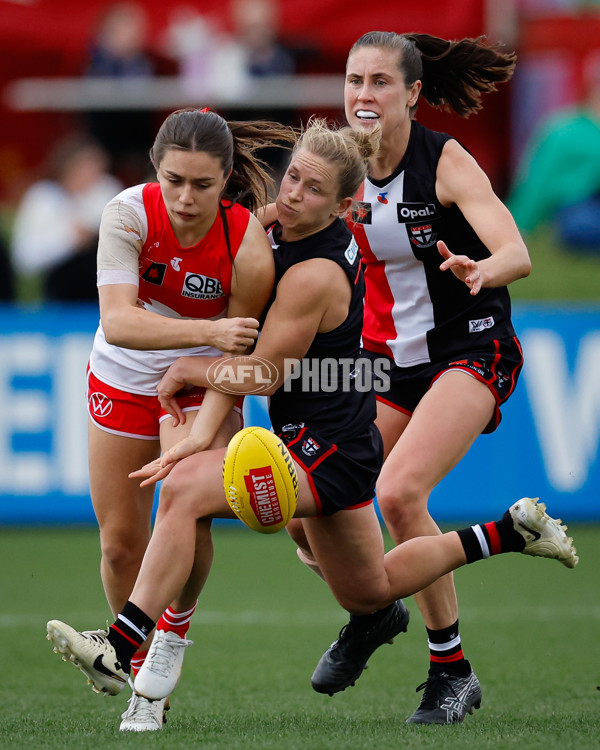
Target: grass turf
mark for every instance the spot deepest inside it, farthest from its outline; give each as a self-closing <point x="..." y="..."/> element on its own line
<point x="530" y="628"/>
<point x="558" y="274"/>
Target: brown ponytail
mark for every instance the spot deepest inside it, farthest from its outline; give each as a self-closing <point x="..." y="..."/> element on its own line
<point x="233" y="143"/>
<point x="454" y="74"/>
<point x="250" y="182"/>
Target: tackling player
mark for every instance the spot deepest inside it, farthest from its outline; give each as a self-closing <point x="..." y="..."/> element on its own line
<point x="316" y="316"/>
<point x="439" y="249"/>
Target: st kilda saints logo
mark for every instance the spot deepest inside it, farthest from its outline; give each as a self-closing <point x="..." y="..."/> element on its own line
<point x="422" y="235"/>
<point x="419" y="218"/>
<point x="310" y="447"/>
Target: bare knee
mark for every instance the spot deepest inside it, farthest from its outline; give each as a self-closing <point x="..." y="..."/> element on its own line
<point x="176" y="495"/>
<point x="182" y="498"/>
<point x="399" y="498"/>
<point x="402" y="501"/>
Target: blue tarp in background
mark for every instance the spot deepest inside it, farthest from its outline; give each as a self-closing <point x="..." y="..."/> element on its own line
<point x="546" y="446"/>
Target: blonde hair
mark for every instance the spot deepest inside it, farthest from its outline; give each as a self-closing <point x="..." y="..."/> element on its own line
<point x="344" y="148"/>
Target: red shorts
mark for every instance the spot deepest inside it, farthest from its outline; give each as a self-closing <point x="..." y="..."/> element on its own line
<point x="134" y="415"/>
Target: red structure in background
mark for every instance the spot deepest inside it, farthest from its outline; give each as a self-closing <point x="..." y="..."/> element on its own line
<point x="556" y="55"/>
<point x="50" y="38"/>
<point x="576" y="36"/>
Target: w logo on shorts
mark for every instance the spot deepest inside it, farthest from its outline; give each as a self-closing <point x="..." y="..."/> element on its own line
<point x="100" y="404"/>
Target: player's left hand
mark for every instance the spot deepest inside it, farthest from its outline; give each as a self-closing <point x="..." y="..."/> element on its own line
<point x="152" y="472"/>
<point x="160" y="467"/>
<point x="465" y="269"/>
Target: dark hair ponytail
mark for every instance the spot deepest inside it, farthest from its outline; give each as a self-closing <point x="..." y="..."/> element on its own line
<point x="454" y="74"/>
<point x="250" y="182"/>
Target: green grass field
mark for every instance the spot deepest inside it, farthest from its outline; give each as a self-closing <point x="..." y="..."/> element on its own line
<point x="529" y="626"/>
<point x="558" y="275"/>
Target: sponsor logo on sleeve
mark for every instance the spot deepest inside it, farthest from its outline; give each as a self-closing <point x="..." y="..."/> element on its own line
<point x="155" y="273"/>
<point x="361" y="213"/>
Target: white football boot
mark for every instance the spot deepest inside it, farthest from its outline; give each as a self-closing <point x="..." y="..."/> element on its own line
<point x="143" y="715"/>
<point x="91" y="652"/>
<point x="544" y="536"/>
<point x="161" y="669"/>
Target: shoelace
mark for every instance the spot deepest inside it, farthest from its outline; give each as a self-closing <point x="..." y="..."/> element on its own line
<point x="96" y="635"/>
<point x="140" y="709"/>
<point x="343" y="639"/>
<point x="432" y="687"/>
<point x="160" y="660"/>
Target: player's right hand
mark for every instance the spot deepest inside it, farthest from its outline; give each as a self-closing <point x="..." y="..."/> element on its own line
<point x="234" y="335"/>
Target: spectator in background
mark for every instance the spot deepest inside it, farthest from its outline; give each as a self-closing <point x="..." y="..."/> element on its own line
<point x="55" y="234"/>
<point x="256" y="28"/>
<point x="215" y="65"/>
<point x="7" y="281"/>
<point x="256" y="25"/>
<point x="120" y="50"/>
<point x="213" y="62"/>
<point x="558" y="179"/>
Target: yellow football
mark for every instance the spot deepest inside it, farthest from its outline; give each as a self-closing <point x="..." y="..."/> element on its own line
<point x="260" y="481"/>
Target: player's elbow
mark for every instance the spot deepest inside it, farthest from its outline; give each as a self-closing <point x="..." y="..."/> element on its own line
<point x="525" y="268"/>
<point x="522" y="261"/>
<point x="114" y="330"/>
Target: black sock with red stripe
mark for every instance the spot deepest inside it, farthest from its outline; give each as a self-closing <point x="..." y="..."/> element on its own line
<point x="484" y="540"/>
<point x="445" y="651"/>
<point x="128" y="632"/>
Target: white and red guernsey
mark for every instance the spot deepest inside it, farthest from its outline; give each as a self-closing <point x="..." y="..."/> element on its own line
<point x="138" y="246"/>
<point x="415" y="313"/>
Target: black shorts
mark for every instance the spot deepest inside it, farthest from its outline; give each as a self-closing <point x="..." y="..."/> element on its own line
<point x="342" y="475"/>
<point x="498" y="366"/>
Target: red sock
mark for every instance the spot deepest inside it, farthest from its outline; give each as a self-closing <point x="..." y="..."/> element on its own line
<point x="176" y="622"/>
<point x="137" y="660"/>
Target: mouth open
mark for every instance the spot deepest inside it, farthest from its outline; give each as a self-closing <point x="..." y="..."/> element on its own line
<point x="366" y="114"/>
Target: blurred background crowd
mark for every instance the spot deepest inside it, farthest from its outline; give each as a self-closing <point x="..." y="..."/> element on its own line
<point x="84" y="88"/>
